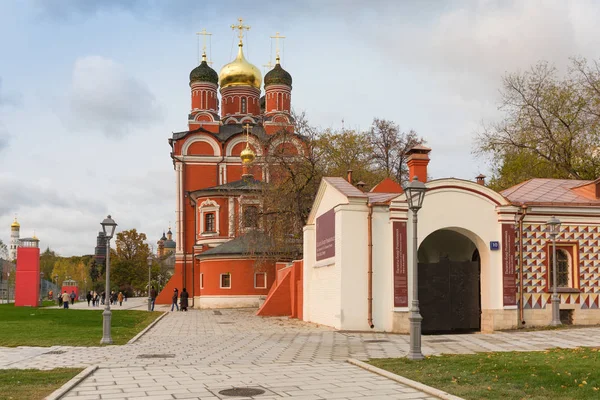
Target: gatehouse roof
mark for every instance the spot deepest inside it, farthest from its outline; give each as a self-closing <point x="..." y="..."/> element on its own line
<point x="543" y="191"/>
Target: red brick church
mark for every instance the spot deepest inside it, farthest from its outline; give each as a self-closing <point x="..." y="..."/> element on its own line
<point x="219" y="170"/>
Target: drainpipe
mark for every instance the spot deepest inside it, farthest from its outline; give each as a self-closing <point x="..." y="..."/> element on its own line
<point x="193" y="205"/>
<point x="521" y="297"/>
<point x="370" y="267"/>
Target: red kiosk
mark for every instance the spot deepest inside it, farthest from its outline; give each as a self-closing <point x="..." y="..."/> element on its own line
<point x="27" y="278"/>
<point x="69" y="286"/>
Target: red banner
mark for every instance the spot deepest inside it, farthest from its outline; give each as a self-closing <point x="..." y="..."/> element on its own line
<point x="400" y="264"/>
<point x="509" y="281"/>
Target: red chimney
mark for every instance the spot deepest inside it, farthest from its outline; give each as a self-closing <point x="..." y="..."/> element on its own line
<point x="350" y="176"/>
<point x="417" y="161"/>
<point x="480" y="179"/>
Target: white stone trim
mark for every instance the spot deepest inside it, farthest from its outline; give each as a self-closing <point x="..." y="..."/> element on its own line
<point x="242" y="139"/>
<point x="208" y="206"/>
<point x="221" y="281"/>
<point x="212" y="142"/>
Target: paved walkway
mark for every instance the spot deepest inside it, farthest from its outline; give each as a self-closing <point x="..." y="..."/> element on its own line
<point x="196" y="354"/>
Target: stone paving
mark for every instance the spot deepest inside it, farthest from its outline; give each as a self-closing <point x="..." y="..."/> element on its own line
<point x="195" y="354"/>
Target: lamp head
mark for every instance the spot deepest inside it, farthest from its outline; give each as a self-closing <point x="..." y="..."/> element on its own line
<point x="553" y="226"/>
<point x="108" y="227"/>
<point x="415" y="193"/>
<point x="149" y="259"/>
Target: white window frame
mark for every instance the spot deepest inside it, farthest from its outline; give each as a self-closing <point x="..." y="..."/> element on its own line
<point x="221" y="281"/>
<point x="261" y="273"/>
<point x="208" y="206"/>
<point x="242" y="203"/>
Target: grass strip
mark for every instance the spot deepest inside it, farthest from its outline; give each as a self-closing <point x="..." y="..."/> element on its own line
<point x="31" y="383"/>
<point x="29" y="326"/>
<point x="550" y="374"/>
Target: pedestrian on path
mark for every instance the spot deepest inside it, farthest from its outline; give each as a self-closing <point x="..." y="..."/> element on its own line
<point x="153" y="297"/>
<point x="72" y="296"/>
<point x="184" y="300"/>
<point x="88" y="297"/>
<point x="174" y="299"/>
<point x="65" y="299"/>
<point x="120" y="298"/>
<point x="60" y="302"/>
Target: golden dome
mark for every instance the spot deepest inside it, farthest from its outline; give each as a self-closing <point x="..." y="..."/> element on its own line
<point x="240" y="72"/>
<point x="247" y="155"/>
<point x="15" y="224"/>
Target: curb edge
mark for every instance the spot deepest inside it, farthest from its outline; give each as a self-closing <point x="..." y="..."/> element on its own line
<point x="66" y="388"/>
<point x="146" y="329"/>
<point x="405" y="381"/>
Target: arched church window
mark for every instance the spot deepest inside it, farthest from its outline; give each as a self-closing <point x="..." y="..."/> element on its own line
<point x="563" y="268"/>
<point x="250" y="217"/>
<point x="243" y="105"/>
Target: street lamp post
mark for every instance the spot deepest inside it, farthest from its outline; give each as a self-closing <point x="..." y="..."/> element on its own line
<point x="149" y="259"/>
<point x="108" y="226"/>
<point x="553" y="228"/>
<point x="415" y="193"/>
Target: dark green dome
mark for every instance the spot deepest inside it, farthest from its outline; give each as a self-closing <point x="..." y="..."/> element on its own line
<point x="204" y="73"/>
<point x="278" y="76"/>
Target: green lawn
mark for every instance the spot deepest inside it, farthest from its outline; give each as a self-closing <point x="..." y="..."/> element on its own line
<point x="551" y="374"/>
<point x="26" y="326"/>
<point x="33" y="384"/>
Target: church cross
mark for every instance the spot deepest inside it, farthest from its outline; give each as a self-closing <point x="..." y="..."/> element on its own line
<point x="240" y="27"/>
<point x="247" y="127"/>
<point x="204" y="35"/>
<point x="277" y="37"/>
<point x="269" y="65"/>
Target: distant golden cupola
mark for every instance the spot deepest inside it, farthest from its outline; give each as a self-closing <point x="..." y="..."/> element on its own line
<point x="240" y="72"/>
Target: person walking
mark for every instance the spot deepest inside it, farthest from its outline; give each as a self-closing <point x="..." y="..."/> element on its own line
<point x="88" y="297"/>
<point x="174" y="299"/>
<point x="153" y="297"/>
<point x="72" y="296"/>
<point x="65" y="299"/>
<point x="60" y="302"/>
<point x="95" y="299"/>
<point x="102" y="298"/>
<point x="184" y="299"/>
<point x="120" y="298"/>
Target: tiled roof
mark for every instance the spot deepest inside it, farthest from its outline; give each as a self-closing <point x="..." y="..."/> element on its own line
<point x="550" y="191"/>
<point x="381" y="197"/>
<point x="344" y="187"/>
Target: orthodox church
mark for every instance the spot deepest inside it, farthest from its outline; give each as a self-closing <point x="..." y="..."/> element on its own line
<point x="219" y="170"/>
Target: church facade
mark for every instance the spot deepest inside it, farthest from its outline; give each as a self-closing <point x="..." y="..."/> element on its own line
<point x="233" y="124"/>
<point x="484" y="258"/>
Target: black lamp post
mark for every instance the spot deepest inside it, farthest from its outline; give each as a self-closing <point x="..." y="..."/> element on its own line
<point x="554" y="228"/>
<point x="149" y="260"/>
<point x="108" y="226"/>
<point x="415" y="193"/>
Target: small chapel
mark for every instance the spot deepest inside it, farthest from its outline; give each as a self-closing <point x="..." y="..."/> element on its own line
<point x="236" y="119"/>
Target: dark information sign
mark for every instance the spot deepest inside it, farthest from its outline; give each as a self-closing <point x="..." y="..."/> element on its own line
<point x="400" y="264"/>
<point x="509" y="282"/>
<point x="326" y="235"/>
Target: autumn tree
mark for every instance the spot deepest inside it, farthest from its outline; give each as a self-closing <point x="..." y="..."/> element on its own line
<point x="388" y="147"/>
<point x="3" y="251"/>
<point x="128" y="268"/>
<point x="550" y="126"/>
<point x="47" y="260"/>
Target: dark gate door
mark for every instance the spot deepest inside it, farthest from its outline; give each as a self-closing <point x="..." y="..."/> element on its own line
<point x="449" y="296"/>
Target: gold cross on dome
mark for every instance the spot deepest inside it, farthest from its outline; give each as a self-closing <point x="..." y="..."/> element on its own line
<point x="240" y="27"/>
<point x="277" y="37"/>
<point x="247" y="127"/>
<point x="269" y="65"/>
<point x="204" y="35"/>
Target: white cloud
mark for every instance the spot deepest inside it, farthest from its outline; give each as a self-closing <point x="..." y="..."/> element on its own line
<point x="105" y="98"/>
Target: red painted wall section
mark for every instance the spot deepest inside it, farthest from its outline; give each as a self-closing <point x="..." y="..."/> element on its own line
<point x="164" y="297"/>
<point x="278" y="300"/>
<point x="242" y="277"/>
<point x="286" y="295"/>
<point x="200" y="149"/>
<point x="27" y="278"/>
<point x="68" y="289"/>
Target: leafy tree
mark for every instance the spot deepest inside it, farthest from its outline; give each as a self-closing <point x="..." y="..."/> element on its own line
<point x="3" y="251"/>
<point x="128" y="260"/>
<point x="550" y="127"/>
<point x="47" y="260"/>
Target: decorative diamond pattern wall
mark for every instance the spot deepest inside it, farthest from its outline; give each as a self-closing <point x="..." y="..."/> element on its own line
<point x="535" y="239"/>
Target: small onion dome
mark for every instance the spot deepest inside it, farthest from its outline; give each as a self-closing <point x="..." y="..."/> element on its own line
<point x="240" y="72"/>
<point x="204" y="73"/>
<point x="169" y="231"/>
<point x="170" y="244"/>
<point x="163" y="238"/>
<point x="278" y="76"/>
<point x="247" y="155"/>
<point x="15" y="224"/>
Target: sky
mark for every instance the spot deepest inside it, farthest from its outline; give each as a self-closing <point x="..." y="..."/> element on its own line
<point x="91" y="90"/>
